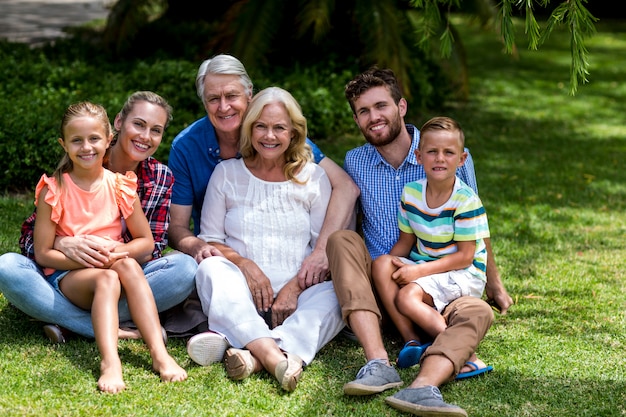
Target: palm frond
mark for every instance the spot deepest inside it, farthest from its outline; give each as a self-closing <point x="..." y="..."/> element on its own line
<point x="382" y="26"/>
<point x="125" y="20"/>
<point x="248" y="30"/>
<point x="315" y="15"/>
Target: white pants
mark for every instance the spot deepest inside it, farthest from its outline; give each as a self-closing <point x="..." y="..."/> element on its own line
<point x="227" y="302"/>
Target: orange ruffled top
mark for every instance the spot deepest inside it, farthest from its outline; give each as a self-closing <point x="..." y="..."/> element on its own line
<point x="98" y="212"/>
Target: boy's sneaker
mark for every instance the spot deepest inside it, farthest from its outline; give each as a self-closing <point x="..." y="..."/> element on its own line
<point x="207" y="348"/>
<point x="424" y="401"/>
<point x="376" y="376"/>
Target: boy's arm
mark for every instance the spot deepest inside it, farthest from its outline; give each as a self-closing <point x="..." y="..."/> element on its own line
<point x="495" y="291"/>
<point x="403" y="246"/>
<point x="461" y="259"/>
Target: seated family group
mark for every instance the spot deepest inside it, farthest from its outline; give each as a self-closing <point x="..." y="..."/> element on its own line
<point x="274" y="266"/>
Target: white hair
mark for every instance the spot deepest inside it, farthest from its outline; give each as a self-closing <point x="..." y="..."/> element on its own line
<point x="222" y="64"/>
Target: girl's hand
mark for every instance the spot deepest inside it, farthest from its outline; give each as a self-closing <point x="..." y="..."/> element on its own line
<point x="105" y="241"/>
<point x="114" y="257"/>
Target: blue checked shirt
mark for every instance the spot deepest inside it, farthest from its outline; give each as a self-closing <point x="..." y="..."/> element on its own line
<point x="381" y="189"/>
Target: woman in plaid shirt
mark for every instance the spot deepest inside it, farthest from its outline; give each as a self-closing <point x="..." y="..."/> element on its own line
<point x="139" y="128"/>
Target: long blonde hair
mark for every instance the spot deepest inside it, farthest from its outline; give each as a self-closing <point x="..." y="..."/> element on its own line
<point x="298" y="152"/>
<point x="76" y="110"/>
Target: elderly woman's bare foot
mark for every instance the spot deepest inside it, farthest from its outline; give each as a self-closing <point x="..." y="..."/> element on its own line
<point x="124" y="333"/>
<point x="128" y="333"/>
<point x="169" y="370"/>
<point x="111" y="380"/>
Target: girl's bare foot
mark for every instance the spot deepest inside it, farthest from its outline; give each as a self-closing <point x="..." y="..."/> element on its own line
<point x="111" y="380"/>
<point x="169" y="370"/>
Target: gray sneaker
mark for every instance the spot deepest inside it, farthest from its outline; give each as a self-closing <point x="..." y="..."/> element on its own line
<point x="376" y="376"/>
<point x="425" y="401"/>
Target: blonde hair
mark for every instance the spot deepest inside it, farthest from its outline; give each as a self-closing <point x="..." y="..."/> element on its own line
<point x="443" y="123"/>
<point x="298" y="152"/>
<point x="74" y="111"/>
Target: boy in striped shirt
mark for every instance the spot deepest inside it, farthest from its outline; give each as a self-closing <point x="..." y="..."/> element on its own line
<point x="440" y="249"/>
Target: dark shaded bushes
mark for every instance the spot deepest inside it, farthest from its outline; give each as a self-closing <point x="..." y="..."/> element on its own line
<point x="37" y="84"/>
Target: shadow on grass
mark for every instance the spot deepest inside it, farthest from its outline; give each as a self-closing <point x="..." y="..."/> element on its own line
<point x="508" y="393"/>
<point x="504" y="392"/>
<point x="22" y="332"/>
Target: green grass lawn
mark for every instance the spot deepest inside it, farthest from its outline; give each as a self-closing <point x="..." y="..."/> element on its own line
<point x="550" y="174"/>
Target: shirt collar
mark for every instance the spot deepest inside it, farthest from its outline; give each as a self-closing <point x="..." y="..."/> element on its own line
<point x="214" y="145"/>
<point x="415" y="134"/>
<point x="410" y="158"/>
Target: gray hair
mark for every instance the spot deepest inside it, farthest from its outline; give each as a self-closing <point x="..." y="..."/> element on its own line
<point x="222" y="64"/>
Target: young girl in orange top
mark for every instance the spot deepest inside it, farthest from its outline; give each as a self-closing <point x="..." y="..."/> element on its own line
<point x="83" y="198"/>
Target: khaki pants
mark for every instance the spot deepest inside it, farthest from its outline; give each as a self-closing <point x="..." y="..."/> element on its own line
<point x="468" y="318"/>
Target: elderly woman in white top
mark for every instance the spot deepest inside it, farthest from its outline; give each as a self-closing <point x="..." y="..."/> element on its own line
<point x="266" y="210"/>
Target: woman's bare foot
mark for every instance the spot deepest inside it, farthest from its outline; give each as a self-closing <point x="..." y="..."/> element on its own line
<point x="169" y="370"/>
<point x="126" y="333"/>
<point x="111" y="380"/>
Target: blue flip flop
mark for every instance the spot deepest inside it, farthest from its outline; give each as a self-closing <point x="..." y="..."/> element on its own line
<point x="411" y="353"/>
<point x="475" y="372"/>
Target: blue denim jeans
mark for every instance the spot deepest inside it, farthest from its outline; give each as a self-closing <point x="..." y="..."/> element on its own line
<point x="171" y="278"/>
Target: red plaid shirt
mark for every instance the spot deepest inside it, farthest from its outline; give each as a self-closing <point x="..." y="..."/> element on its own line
<point x="154" y="187"/>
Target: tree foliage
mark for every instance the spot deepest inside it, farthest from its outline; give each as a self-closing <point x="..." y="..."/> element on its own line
<point x="399" y="34"/>
<point x="569" y="13"/>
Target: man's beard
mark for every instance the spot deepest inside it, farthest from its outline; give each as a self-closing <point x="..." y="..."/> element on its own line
<point x="394" y="126"/>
